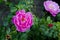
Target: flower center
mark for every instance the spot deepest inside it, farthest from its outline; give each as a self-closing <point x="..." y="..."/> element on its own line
<point x="23" y="19"/>
<point x="51" y="6"/>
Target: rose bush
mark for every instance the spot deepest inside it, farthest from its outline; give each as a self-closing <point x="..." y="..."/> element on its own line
<point x="18" y="20"/>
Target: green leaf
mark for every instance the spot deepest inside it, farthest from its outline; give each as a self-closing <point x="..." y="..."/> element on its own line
<point x="5" y="23"/>
<point x="58" y="17"/>
<point x="49" y="20"/>
<point x="54" y="27"/>
<point x="8" y="30"/>
<point x="1" y="1"/>
<point x="13" y="9"/>
<point x="55" y="34"/>
<point x="24" y="36"/>
<point x="58" y="25"/>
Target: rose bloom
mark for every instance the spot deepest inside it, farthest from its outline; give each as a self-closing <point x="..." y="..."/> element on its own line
<point x="50" y="25"/>
<point x="52" y="7"/>
<point x="23" y="20"/>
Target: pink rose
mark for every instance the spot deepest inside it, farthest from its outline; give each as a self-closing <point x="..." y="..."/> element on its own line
<point x="52" y="7"/>
<point x="23" y="20"/>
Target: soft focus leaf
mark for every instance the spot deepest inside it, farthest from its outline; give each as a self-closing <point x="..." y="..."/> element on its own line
<point x="49" y="20"/>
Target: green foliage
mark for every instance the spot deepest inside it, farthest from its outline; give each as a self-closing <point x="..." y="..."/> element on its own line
<point x="58" y="25"/>
<point x="58" y="17"/>
<point x="49" y="20"/>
